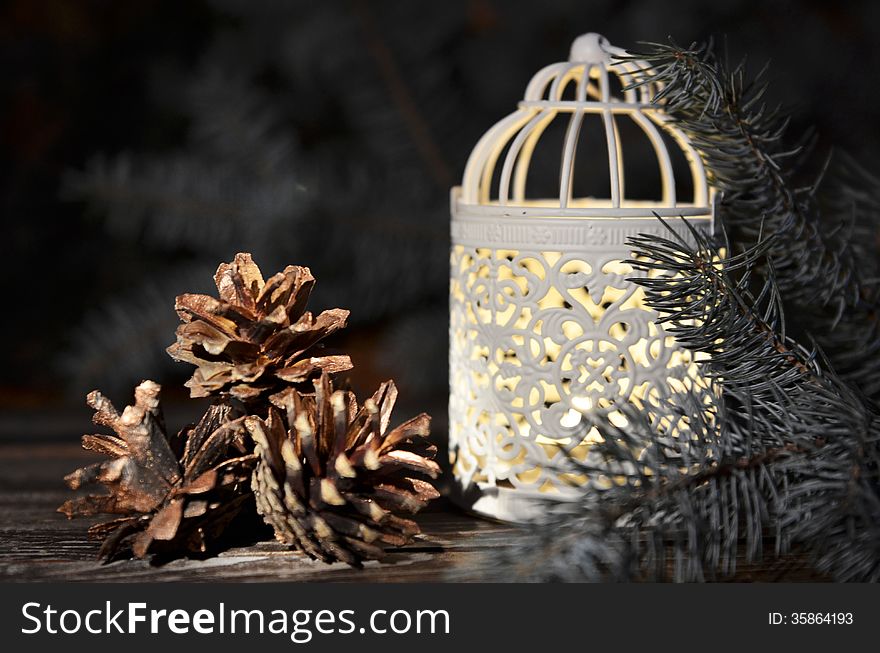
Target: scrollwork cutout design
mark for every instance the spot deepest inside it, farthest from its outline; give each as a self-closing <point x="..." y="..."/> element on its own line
<point x="542" y="342"/>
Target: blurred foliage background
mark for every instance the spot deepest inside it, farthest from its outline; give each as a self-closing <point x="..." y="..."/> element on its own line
<point x="144" y="142"/>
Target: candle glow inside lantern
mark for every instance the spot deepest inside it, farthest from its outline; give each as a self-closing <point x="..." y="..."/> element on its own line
<point x="546" y="332"/>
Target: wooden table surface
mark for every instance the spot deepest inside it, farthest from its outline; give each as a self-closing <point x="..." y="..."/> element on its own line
<point x="39" y="544"/>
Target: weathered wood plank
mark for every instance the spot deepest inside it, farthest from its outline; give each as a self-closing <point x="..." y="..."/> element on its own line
<point x="38" y="544"/>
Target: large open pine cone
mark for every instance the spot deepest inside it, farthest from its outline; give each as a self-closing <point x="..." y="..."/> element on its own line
<point x="257" y="336"/>
<point x="332" y="480"/>
<point x="176" y="494"/>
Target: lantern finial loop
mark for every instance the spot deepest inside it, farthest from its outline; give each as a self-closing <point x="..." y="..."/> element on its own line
<point x="590" y="48"/>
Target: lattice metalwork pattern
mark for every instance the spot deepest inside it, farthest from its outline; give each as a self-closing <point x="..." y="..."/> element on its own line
<point x="547" y="332"/>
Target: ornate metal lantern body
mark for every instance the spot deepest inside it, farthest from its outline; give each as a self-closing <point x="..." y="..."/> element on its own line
<point x="546" y="330"/>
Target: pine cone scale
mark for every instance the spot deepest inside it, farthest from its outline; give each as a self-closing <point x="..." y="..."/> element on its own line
<point x="167" y="501"/>
<point x="211" y="442"/>
<point x="321" y="481"/>
<point x="163" y="526"/>
<point x="290" y="289"/>
<point x="295" y="340"/>
<point x="401" y="499"/>
<point x="327" y="474"/>
<point x="215" y="418"/>
<point x="212" y="313"/>
<point x="395" y="461"/>
<point x="256" y="336"/>
<point x="305" y="369"/>
<point x="416" y="427"/>
<point x="105" y="444"/>
<point x="239" y="282"/>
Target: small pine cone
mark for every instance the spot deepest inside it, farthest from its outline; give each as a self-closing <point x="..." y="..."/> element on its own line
<point x="332" y="480"/>
<point x="175" y="495"/>
<point x="257" y="336"/>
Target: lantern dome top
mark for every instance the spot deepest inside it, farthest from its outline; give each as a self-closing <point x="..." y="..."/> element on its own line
<point x="598" y="83"/>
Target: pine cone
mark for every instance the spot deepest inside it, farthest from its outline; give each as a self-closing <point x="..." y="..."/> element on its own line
<point x="175" y="494"/>
<point x="331" y="481"/>
<point x="257" y="336"/>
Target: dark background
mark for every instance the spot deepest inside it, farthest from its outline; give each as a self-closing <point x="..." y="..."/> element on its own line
<point x="144" y="142"/>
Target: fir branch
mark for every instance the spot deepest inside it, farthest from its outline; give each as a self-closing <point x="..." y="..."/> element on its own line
<point x="742" y="143"/>
<point x="710" y="311"/>
<point x="851" y="195"/>
<point x="676" y="511"/>
<point x="831" y="489"/>
<point x="816" y="259"/>
<point x="788" y="450"/>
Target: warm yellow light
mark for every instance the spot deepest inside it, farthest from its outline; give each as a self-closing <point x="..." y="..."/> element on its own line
<point x="548" y="333"/>
<point x="515" y="314"/>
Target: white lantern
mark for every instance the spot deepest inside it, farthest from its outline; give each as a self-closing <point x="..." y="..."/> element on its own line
<point x="546" y="331"/>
